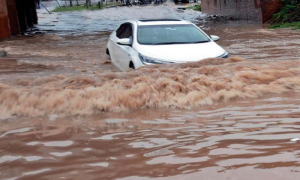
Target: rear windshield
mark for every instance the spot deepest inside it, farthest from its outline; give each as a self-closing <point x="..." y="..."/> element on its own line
<point x="170" y="34"/>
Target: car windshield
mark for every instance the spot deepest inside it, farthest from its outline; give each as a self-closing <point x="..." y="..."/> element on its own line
<point x="170" y="34"/>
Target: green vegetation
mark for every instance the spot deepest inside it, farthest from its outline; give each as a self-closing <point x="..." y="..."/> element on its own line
<point x="72" y="8"/>
<point x="80" y="8"/>
<point x="288" y="16"/>
<point x="294" y="25"/>
<point x="196" y="8"/>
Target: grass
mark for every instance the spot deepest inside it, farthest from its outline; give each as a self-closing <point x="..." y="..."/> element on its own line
<point x="196" y="8"/>
<point x="80" y="8"/>
<point x="294" y="25"/>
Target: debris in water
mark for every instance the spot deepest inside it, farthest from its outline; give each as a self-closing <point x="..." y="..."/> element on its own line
<point x="295" y="139"/>
<point x="3" y="53"/>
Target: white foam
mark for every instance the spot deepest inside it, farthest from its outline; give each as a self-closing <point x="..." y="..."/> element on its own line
<point x="115" y="120"/>
<point x="111" y="136"/>
<point x="36" y="172"/>
<point x="102" y="164"/>
<point x="295" y="139"/>
<point x="16" y="131"/>
<point x="61" y="154"/>
<point x="52" y="143"/>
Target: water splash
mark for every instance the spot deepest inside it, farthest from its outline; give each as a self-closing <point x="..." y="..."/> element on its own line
<point x="172" y="86"/>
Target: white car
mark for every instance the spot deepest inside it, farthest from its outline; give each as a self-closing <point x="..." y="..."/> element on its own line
<point x="143" y="42"/>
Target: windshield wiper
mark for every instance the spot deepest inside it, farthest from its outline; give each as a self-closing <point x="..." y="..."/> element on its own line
<point x="172" y="43"/>
<point x="201" y="41"/>
<point x="181" y="42"/>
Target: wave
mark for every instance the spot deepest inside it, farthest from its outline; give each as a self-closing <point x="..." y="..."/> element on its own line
<point x="187" y="85"/>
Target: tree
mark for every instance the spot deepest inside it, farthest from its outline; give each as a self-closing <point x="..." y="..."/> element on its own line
<point x="88" y="3"/>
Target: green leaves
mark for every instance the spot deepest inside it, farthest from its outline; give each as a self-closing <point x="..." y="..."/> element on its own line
<point x="291" y="2"/>
<point x="288" y="16"/>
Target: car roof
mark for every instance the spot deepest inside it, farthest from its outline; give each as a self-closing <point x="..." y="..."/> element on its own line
<point x="160" y="22"/>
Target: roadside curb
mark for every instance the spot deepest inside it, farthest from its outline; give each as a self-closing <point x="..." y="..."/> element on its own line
<point x="121" y="5"/>
<point x="102" y="7"/>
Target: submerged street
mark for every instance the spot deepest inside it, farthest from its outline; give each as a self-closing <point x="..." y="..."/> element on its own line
<point x="67" y="113"/>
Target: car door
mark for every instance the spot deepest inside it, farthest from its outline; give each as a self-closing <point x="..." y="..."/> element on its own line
<point x="113" y="46"/>
<point x="124" y="51"/>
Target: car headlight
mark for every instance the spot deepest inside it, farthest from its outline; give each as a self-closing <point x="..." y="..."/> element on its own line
<point x="225" y="55"/>
<point x="148" y="60"/>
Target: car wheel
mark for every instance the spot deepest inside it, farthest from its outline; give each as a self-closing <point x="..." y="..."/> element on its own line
<point x="107" y="52"/>
<point x="131" y="65"/>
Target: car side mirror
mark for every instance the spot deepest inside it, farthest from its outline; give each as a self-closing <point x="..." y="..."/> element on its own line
<point x="124" y="41"/>
<point x="215" y="38"/>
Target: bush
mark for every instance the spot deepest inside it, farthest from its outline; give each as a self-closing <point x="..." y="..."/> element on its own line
<point x="196" y="7"/>
<point x="288" y="16"/>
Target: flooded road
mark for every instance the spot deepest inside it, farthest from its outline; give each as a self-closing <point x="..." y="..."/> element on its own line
<point x="256" y="42"/>
<point x="226" y="141"/>
<point x="87" y="22"/>
<point x="67" y="113"/>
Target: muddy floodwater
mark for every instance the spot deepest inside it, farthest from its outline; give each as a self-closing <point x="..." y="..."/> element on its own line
<point x="236" y="140"/>
<point x="67" y="113"/>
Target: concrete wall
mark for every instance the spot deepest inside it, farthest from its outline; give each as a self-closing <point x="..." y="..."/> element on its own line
<point x="249" y="10"/>
<point x="4" y="23"/>
<point x="269" y="7"/>
<point x="26" y="13"/>
<point x="13" y="17"/>
<point x="16" y="16"/>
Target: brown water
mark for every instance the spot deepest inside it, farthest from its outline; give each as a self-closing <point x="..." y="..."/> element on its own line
<point x="237" y="140"/>
<point x="67" y="113"/>
<point x="178" y="85"/>
<point x="88" y="22"/>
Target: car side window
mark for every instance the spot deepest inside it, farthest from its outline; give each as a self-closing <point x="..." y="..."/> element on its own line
<point x="125" y="31"/>
<point x="121" y="31"/>
<point x="128" y="33"/>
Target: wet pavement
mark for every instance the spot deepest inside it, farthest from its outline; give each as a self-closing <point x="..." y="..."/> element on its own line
<point x="87" y="22"/>
<point x="67" y="113"/>
<point x="256" y="42"/>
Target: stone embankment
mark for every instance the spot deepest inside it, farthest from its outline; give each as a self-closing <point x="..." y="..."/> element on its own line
<point x="250" y="10"/>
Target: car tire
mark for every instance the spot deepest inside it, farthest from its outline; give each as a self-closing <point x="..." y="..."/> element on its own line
<point x="108" y="54"/>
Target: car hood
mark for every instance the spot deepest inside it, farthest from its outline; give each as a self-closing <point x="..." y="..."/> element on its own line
<point x="182" y="52"/>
